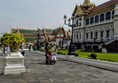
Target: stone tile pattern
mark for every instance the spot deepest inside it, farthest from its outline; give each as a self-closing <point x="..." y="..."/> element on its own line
<point x="61" y="72"/>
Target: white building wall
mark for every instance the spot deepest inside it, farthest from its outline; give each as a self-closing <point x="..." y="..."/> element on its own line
<point x="116" y="22"/>
<point x="111" y="25"/>
<point x="98" y="29"/>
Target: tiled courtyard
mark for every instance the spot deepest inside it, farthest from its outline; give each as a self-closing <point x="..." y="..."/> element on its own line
<point x="61" y="72"/>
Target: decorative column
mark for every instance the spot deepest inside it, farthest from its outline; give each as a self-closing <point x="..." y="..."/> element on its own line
<point x="89" y="36"/>
<point x="93" y="35"/>
<point x="82" y="35"/>
<point x="111" y="33"/>
<point x="104" y="33"/>
<point x="99" y="38"/>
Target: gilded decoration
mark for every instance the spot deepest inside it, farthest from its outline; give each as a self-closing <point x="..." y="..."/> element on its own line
<point x="84" y="9"/>
<point x="87" y="3"/>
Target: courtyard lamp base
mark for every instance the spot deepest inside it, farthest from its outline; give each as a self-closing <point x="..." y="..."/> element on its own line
<point x="71" y="50"/>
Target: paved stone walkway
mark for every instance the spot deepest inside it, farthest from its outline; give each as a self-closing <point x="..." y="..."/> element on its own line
<point x="61" y="72"/>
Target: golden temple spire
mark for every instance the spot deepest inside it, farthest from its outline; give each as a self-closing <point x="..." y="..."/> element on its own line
<point x="87" y="3"/>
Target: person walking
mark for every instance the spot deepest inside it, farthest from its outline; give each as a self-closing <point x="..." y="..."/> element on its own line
<point x="30" y="46"/>
<point x="4" y="49"/>
<point x="46" y="52"/>
<point x="22" y="50"/>
<point x="54" y="55"/>
<point x="49" y="57"/>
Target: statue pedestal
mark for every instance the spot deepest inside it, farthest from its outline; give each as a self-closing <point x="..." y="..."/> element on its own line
<point x="14" y="63"/>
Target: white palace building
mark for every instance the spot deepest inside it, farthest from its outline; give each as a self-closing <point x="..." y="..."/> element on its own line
<point x="96" y="26"/>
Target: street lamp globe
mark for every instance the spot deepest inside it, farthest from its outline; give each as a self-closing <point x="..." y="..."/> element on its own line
<point x="65" y="18"/>
<point x="69" y="21"/>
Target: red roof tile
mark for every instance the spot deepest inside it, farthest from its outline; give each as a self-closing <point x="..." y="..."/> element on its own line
<point x="103" y="6"/>
<point x="109" y="3"/>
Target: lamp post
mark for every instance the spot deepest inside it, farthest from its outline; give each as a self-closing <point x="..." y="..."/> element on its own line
<point x="71" y="50"/>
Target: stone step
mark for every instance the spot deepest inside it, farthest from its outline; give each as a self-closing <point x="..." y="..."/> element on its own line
<point x="2" y="64"/>
<point x="113" y="66"/>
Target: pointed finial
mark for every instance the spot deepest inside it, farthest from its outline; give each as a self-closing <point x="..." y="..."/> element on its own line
<point x="87" y="3"/>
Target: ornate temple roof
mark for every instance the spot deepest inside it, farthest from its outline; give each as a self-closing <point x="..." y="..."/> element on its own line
<point x="48" y="31"/>
<point x="89" y="9"/>
<point x="27" y="33"/>
<point x="24" y="31"/>
<point x="83" y="9"/>
<point x="51" y="35"/>
<point x="57" y="30"/>
<point x="46" y="34"/>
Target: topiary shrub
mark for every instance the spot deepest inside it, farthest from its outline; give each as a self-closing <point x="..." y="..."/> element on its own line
<point x="13" y="40"/>
<point x="93" y="56"/>
<point x="76" y="55"/>
<point x="58" y="52"/>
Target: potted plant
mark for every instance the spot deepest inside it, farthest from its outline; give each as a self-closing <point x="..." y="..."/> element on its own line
<point x="13" y="40"/>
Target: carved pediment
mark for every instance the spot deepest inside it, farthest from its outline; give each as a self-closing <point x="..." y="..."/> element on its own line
<point x="78" y="11"/>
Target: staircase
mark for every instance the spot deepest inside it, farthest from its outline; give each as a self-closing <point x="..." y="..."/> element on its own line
<point x="110" y="41"/>
<point x="108" y="46"/>
<point x="106" y="43"/>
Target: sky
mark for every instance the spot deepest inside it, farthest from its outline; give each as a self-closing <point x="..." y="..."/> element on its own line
<point x="30" y="14"/>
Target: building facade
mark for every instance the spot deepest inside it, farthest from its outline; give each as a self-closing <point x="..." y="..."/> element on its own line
<point x="54" y="36"/>
<point x="96" y="25"/>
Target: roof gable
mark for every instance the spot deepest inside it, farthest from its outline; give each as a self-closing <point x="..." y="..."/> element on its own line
<point x="78" y="10"/>
<point x="58" y="31"/>
<point x="83" y="9"/>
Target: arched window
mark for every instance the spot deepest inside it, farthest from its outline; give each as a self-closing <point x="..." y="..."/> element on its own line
<point x="96" y="18"/>
<point x="112" y="12"/>
<point x="86" y="35"/>
<point x="108" y="33"/>
<point x="101" y="34"/>
<point x="80" y="36"/>
<point x="76" y="22"/>
<point x="76" y="35"/>
<point x="96" y="35"/>
<point x="108" y="15"/>
<point x="91" y="20"/>
<point x="91" y="35"/>
<point x="101" y="17"/>
<point x="87" y="21"/>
